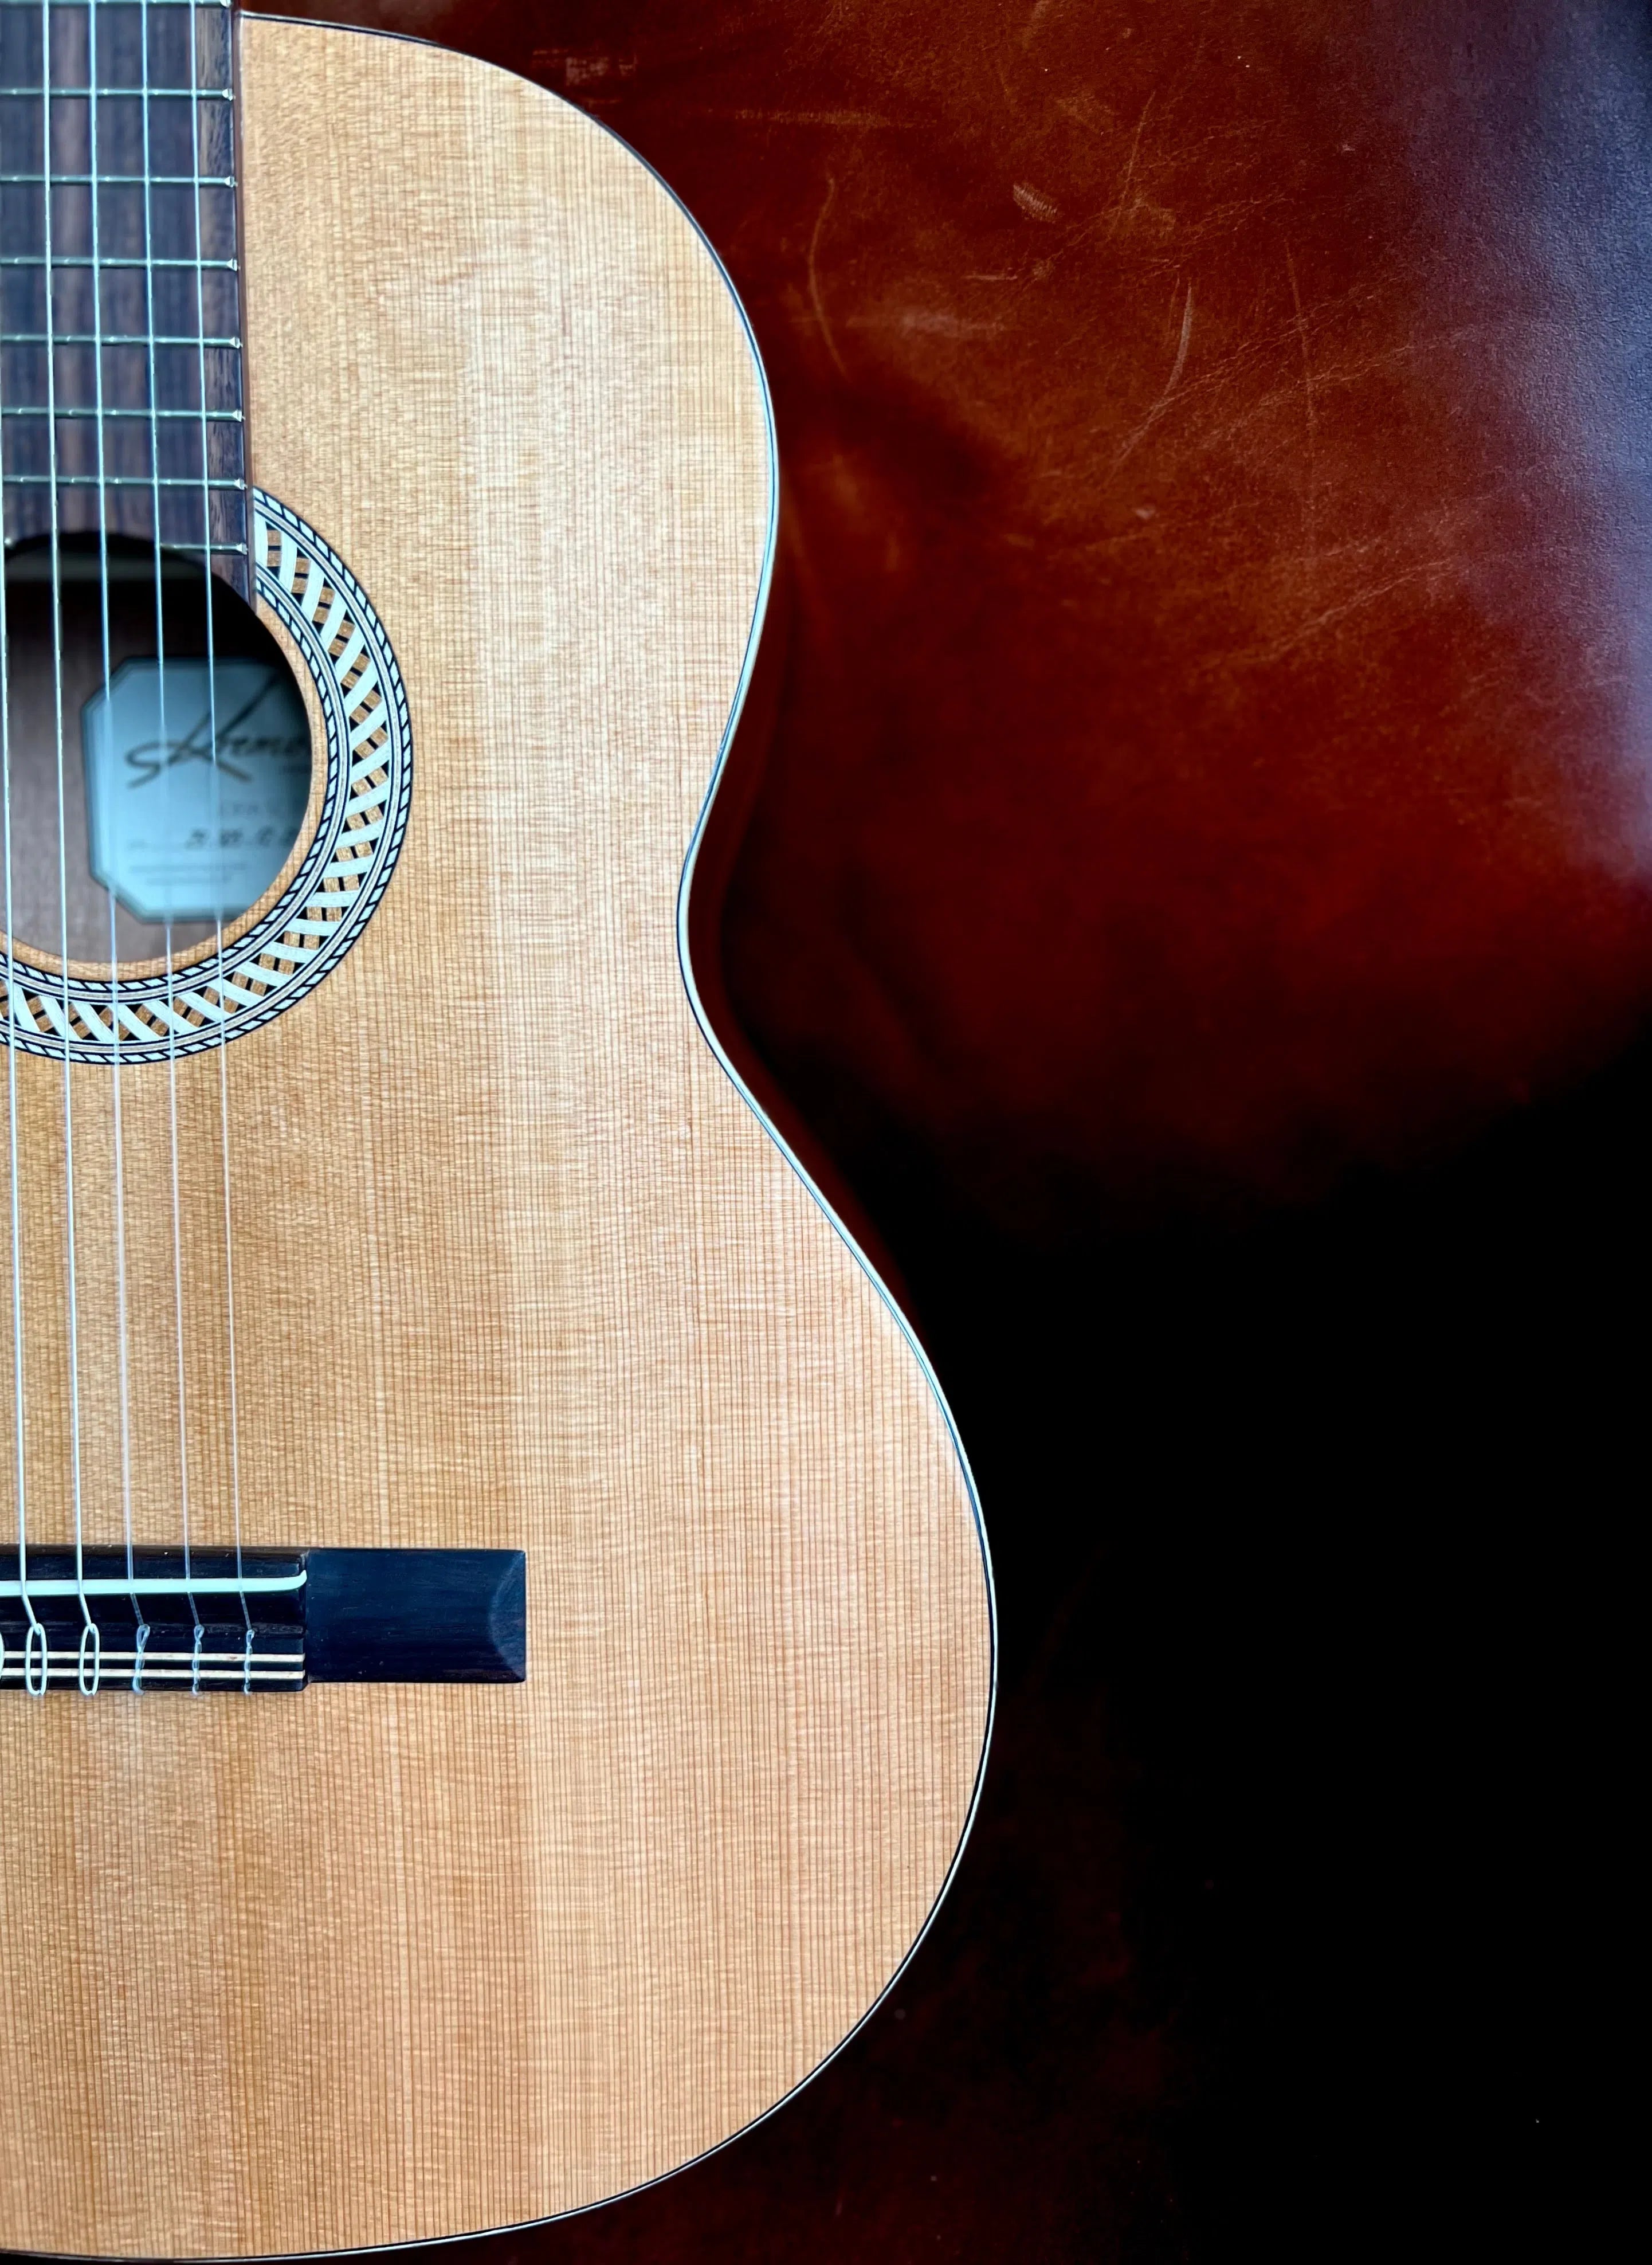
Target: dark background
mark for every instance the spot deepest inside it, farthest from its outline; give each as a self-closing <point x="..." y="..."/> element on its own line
<point x="1198" y="901"/>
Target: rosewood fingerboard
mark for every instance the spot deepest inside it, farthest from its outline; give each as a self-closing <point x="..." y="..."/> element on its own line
<point x="121" y="394"/>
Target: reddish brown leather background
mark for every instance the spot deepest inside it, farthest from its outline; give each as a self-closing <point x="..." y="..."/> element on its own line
<point x="1213" y="747"/>
<point x="1205" y="842"/>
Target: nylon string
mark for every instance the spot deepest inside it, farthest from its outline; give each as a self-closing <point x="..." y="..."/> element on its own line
<point x="71" y="1256"/>
<point x="94" y="80"/>
<point x="215" y="793"/>
<point x="166" y="777"/>
<point x="35" y="1653"/>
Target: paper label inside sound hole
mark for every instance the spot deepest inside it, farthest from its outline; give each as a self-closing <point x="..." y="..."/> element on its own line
<point x="177" y="836"/>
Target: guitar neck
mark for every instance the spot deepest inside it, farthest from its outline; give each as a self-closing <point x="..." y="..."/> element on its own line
<point x="120" y="293"/>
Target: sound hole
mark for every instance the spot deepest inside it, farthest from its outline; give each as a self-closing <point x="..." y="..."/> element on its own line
<point x="184" y="785"/>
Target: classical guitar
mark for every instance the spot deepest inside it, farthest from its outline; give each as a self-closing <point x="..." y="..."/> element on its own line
<point x="495" y="1638"/>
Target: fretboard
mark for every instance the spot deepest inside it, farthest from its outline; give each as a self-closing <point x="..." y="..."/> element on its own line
<point x="120" y="397"/>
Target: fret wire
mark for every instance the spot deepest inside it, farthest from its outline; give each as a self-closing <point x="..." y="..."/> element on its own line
<point x="187" y="549"/>
<point x="39" y="409"/>
<point x="115" y="480"/>
<point x="121" y="180"/>
<point x="117" y="93"/>
<point x="115" y="259"/>
<point x="122" y="339"/>
<point x="194" y="551"/>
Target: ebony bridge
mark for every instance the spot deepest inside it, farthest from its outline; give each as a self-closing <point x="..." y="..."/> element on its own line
<point x="159" y="1620"/>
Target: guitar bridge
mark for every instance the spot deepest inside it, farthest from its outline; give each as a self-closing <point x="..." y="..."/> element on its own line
<point x="259" y="1621"/>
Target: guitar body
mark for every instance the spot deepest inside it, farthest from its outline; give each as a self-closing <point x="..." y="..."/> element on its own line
<point x="516" y="1266"/>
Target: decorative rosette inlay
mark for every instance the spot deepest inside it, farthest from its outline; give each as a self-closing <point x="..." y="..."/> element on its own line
<point x="288" y="948"/>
